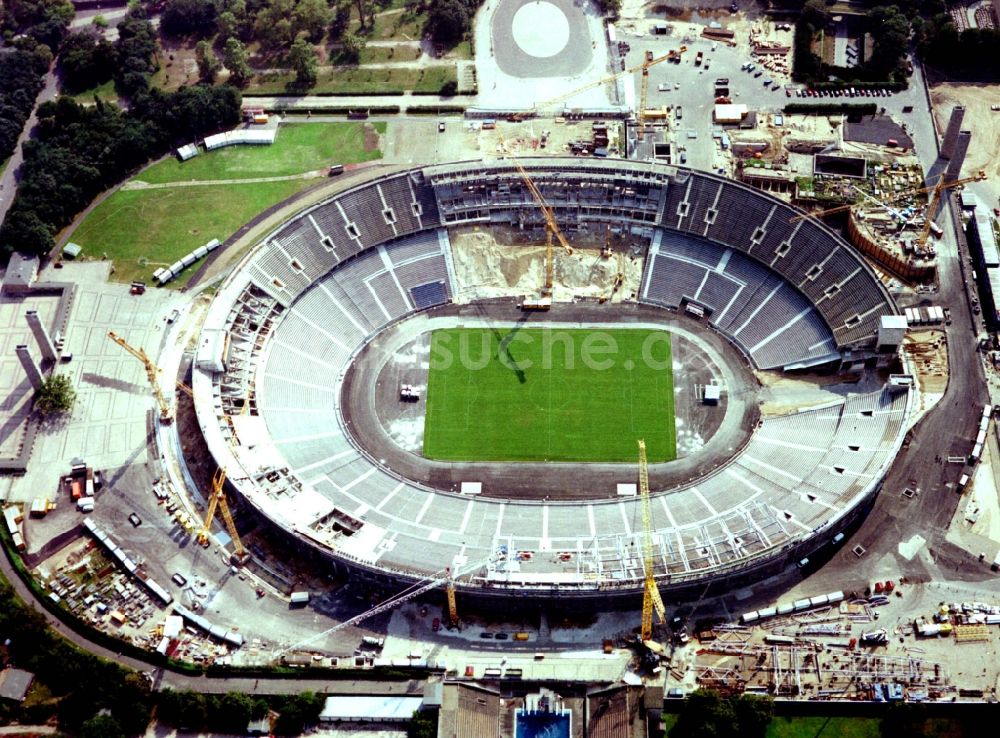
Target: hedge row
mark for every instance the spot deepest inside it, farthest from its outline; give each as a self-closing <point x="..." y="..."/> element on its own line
<point x="857" y="109"/>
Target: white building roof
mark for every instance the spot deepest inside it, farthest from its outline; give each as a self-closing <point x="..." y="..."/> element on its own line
<point x="369" y="708"/>
<point x="894" y="321"/>
<point x="730" y="111"/>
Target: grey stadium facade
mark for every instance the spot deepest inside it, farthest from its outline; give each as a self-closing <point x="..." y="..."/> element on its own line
<point x="286" y="326"/>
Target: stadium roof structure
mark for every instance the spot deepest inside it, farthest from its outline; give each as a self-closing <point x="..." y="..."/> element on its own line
<point x="301" y="306"/>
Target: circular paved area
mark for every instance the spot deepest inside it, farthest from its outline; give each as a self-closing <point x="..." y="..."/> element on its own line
<point x="541" y="38"/>
<point x="540" y="29"/>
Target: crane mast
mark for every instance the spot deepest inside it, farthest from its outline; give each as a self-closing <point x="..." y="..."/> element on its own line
<point x="651" y="599"/>
<point x="934" y="189"/>
<point x="152" y="372"/>
<point x="551" y="226"/>
<point x="217" y="500"/>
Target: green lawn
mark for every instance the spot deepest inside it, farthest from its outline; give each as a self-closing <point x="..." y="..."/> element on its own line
<point x="396" y="26"/>
<point x="105" y="91"/>
<point x="163" y="225"/>
<point x="823" y="727"/>
<point x="360" y="80"/>
<point x="299" y="147"/>
<point x="538" y="394"/>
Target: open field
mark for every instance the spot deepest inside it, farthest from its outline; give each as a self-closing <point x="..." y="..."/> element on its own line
<point x="984" y="124"/>
<point x="360" y="80"/>
<point x="394" y="24"/>
<point x="105" y="91"/>
<point x="550" y="395"/>
<point x="823" y="727"/>
<point x="160" y="226"/>
<point x="299" y="148"/>
<point x="140" y="229"/>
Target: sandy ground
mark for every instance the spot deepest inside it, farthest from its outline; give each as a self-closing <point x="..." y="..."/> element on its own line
<point x="928" y="352"/>
<point x="485" y="270"/>
<point x="983" y="122"/>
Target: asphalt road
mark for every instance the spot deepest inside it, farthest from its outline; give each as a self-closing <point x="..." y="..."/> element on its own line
<point x="10" y="176"/>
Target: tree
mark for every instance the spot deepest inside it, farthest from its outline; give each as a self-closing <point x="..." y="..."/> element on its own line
<point x="231" y="712"/>
<point x="234" y="56"/>
<point x="188" y="18"/>
<point x="448" y="21"/>
<point x="423" y="725"/>
<point x="184" y="709"/>
<point x="208" y="63"/>
<point x="24" y="231"/>
<point x="86" y="60"/>
<point x="227" y="25"/>
<point x="890" y="30"/>
<point x="302" y="59"/>
<point x="352" y="45"/>
<point x="101" y="726"/>
<point x="311" y="17"/>
<point x="273" y="25"/>
<point x="55" y="397"/>
<point x="904" y="720"/>
<point x="610" y="7"/>
<point x="814" y="13"/>
<point x="706" y="715"/>
<point x="754" y="714"/>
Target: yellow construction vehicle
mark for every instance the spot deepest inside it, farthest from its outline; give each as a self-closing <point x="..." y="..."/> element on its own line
<point x="217" y="499"/>
<point x="651" y="599"/>
<point x="152" y="372"/>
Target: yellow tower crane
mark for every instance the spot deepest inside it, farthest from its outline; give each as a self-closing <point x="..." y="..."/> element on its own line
<point x="934" y="189"/>
<point x="152" y="372"/>
<point x="551" y="226"/>
<point x="651" y="599"/>
<point x="648" y="61"/>
<point x="217" y="499"/>
<point x="452" y="605"/>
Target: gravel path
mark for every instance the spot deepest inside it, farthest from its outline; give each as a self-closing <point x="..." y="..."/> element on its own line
<point x="137" y="184"/>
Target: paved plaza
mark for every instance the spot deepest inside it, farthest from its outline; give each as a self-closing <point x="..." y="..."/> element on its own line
<point x="110" y="423"/>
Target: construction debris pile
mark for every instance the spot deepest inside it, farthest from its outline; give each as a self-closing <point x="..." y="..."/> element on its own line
<point x="828" y="647"/>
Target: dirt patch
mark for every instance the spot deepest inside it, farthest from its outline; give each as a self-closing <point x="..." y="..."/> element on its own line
<point x="371" y="137"/>
<point x="497" y="262"/>
<point x="983" y="122"/>
<point x="178" y="65"/>
<point x="928" y="354"/>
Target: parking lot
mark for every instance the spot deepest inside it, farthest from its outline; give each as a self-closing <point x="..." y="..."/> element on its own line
<point x="692" y="87"/>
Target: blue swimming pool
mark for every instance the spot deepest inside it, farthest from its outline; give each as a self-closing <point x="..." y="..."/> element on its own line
<point x="541" y="724"/>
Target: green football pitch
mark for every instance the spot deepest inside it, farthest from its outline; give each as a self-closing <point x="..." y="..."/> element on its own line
<point x="538" y="394"/>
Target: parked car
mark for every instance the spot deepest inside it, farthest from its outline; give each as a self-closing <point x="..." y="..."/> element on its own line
<point x="502" y="636"/>
<point x="179" y="579"/>
<point x="441" y="126"/>
<point x="436" y="625"/>
<point x="135" y="520"/>
<point x="173" y="316"/>
<point x="486" y="635"/>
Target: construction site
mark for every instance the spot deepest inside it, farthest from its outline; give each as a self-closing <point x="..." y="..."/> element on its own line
<point x="828" y="527"/>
